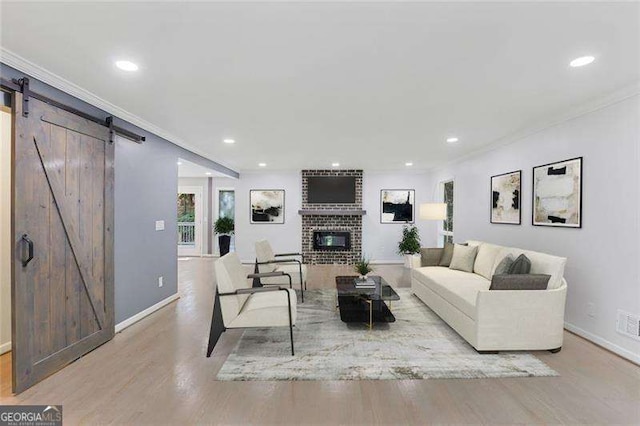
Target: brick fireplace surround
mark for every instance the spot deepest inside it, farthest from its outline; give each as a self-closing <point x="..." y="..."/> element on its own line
<point x="332" y="217"/>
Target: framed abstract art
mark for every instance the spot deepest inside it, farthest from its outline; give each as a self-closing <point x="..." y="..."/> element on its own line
<point x="506" y="195"/>
<point x="267" y="206"/>
<point x="557" y="194"/>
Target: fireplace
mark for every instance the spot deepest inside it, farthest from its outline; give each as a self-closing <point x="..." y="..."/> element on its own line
<point x="332" y="240"/>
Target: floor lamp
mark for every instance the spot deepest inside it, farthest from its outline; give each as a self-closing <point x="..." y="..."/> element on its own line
<point x="433" y="211"/>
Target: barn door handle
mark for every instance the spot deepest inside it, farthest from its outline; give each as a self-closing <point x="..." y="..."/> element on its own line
<point x="27" y="240"/>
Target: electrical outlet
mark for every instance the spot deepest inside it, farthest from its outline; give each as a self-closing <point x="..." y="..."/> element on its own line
<point x="591" y="310"/>
<point x="160" y="281"/>
<point x="159" y="225"/>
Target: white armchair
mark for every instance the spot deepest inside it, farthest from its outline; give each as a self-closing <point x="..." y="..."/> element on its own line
<point x="268" y="261"/>
<point x="238" y="305"/>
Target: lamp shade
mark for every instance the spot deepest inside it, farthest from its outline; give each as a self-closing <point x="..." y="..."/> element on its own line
<point x="433" y="211"/>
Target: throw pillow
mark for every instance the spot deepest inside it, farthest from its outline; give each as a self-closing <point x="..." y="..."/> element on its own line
<point x="447" y="254"/>
<point x="522" y="265"/>
<point x="430" y="256"/>
<point x="520" y="282"/>
<point x="463" y="258"/>
<point x="504" y="265"/>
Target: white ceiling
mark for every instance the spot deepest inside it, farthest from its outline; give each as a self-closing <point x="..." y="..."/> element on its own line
<point x="187" y="169"/>
<point x="302" y="85"/>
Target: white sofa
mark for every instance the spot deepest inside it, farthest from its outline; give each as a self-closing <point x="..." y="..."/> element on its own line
<point x="496" y="320"/>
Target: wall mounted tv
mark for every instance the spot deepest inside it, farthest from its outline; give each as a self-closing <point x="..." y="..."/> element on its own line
<point x="331" y="189"/>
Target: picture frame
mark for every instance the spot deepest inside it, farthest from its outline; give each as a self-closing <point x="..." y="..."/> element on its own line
<point x="397" y="206"/>
<point x="557" y="194"/>
<point x="267" y="206"/>
<point x="506" y="198"/>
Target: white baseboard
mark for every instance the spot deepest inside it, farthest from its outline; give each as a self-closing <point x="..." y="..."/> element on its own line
<point x="5" y="347"/>
<point x="624" y="353"/>
<point x="151" y="309"/>
<point x="387" y="262"/>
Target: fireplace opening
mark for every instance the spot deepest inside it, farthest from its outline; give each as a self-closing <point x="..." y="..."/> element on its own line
<point x="331" y="240"/>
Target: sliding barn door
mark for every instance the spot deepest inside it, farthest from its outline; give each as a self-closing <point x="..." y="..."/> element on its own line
<point x="63" y="234"/>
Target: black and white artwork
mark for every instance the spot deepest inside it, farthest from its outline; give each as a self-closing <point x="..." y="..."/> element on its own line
<point x="557" y="194"/>
<point x="506" y="190"/>
<point x="267" y="206"/>
<point x="397" y="205"/>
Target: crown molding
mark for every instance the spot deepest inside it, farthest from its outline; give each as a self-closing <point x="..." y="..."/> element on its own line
<point x="36" y="71"/>
<point x="593" y="105"/>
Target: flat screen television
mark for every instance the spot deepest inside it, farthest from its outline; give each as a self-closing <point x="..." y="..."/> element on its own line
<point x="331" y="190"/>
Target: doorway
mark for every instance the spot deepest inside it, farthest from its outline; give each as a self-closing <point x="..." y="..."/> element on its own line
<point x="190" y="210"/>
<point x="5" y="244"/>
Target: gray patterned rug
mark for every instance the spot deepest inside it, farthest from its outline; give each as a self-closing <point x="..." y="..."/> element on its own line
<point x="419" y="345"/>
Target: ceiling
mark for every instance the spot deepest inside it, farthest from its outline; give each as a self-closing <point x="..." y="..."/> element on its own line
<point x="303" y="85"/>
<point x="187" y="169"/>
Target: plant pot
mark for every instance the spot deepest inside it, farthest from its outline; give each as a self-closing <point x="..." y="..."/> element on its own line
<point x="223" y="242"/>
<point x="412" y="261"/>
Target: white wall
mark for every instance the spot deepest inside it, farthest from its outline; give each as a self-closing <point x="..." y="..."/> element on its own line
<point x="284" y="238"/>
<point x="603" y="256"/>
<point x="202" y="183"/>
<point x="5" y="231"/>
<point x="380" y="241"/>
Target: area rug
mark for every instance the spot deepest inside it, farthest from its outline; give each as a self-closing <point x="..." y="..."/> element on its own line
<point x="419" y="345"/>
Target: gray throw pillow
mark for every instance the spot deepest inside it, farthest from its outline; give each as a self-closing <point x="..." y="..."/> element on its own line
<point x="504" y="265"/>
<point x="447" y="254"/>
<point x="520" y="282"/>
<point x="522" y="265"/>
<point x="463" y="258"/>
<point x="430" y="256"/>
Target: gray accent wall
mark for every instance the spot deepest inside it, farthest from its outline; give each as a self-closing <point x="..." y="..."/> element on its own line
<point x="146" y="186"/>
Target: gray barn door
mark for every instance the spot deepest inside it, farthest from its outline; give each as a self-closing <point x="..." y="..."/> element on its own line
<point x="62" y="286"/>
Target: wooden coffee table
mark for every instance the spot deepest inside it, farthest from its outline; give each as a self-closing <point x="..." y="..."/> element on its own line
<point x="365" y="305"/>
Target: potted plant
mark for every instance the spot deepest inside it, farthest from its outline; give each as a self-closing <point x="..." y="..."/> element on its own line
<point x="224" y="227"/>
<point x="409" y="246"/>
<point x="363" y="267"/>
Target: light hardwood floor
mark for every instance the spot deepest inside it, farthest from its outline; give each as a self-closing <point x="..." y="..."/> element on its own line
<point x="155" y="372"/>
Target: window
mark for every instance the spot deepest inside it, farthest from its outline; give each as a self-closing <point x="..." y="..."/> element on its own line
<point x="227" y="208"/>
<point x="445" y="233"/>
<point x="226" y="203"/>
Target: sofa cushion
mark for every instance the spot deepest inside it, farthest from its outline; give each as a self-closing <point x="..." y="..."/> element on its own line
<point x="430" y="256"/>
<point x="485" y="259"/>
<point x="519" y="282"/>
<point x="541" y="263"/>
<point x="522" y="265"/>
<point x="463" y="257"/>
<point x="456" y="287"/>
<point x="504" y="265"/>
<point x="447" y="255"/>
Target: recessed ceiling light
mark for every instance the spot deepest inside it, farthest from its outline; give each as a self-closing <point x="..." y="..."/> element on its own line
<point x="229" y="141"/>
<point x="127" y="66"/>
<point x="335" y="164"/>
<point x="452" y="140"/>
<point x="179" y="163"/>
<point x="208" y="173"/>
<point x="582" y="61"/>
<point x="262" y="164"/>
<point x="408" y="164"/>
